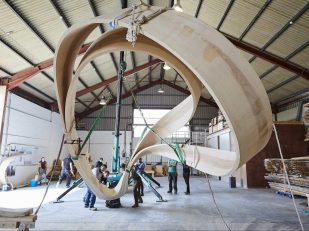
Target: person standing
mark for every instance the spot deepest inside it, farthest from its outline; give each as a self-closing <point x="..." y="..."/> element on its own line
<point x="186" y="176"/>
<point x="141" y="169"/>
<point x="99" y="163"/>
<point x="101" y="176"/>
<point x="172" y="175"/>
<point x="136" y="187"/>
<point x="42" y="170"/>
<point x="66" y="172"/>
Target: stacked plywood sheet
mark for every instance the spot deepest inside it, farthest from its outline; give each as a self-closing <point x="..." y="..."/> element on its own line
<point x="298" y="172"/>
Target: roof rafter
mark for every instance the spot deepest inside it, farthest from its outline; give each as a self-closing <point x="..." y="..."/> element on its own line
<point x="282" y="84"/>
<point x="227" y="10"/>
<point x="283" y="29"/>
<point x="176" y="87"/>
<point x="68" y="24"/>
<point x="95" y="13"/>
<point x="112" y="101"/>
<point x="299" y="49"/>
<point x="197" y="12"/>
<point x="257" y="16"/>
<point x="29" y="25"/>
<point x="143" y="88"/>
<point x="269" y="57"/>
<point x="21" y="76"/>
<point x="114" y="79"/>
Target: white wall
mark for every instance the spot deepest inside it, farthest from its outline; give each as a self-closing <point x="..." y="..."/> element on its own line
<point x="223" y="140"/>
<point x="31" y="128"/>
<point x="102" y="145"/>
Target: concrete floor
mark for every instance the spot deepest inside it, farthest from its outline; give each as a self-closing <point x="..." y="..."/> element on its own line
<point x="242" y="209"/>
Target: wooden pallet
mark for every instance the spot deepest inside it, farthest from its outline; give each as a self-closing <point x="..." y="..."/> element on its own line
<point x="22" y="219"/>
<point x="278" y="188"/>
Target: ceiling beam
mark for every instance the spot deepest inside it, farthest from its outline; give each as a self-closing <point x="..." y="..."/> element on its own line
<point x="112" y="56"/>
<point x="68" y="24"/>
<point x="149" y="69"/>
<point x="10" y="4"/>
<point x="281" y="102"/>
<point x="292" y="67"/>
<point x="5" y="81"/>
<point x="227" y="10"/>
<point x="162" y="72"/>
<point x="282" y="84"/>
<point x="21" y="76"/>
<point x="112" y="101"/>
<point x="32" y="98"/>
<point x="257" y="16"/>
<point x="115" y="78"/>
<point x="175" y="78"/>
<point x="176" y="87"/>
<point x="295" y="52"/>
<point x="283" y="29"/>
<point x="39" y="91"/>
<point x="197" y="12"/>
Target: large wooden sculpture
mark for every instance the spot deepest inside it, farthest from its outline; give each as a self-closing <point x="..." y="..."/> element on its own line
<point x="202" y="56"/>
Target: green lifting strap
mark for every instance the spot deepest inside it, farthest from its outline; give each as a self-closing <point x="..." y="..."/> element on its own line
<point x="92" y="128"/>
<point x="179" y="154"/>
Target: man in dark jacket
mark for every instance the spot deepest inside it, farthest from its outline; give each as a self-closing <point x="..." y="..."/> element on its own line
<point x="186" y="176"/>
<point x="136" y="188"/>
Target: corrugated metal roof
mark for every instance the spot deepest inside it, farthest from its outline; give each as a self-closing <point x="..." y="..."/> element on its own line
<point x="47" y="21"/>
<point x="260" y="66"/>
<point x="284" y="45"/>
<point x="10" y="60"/>
<point x="275" y="77"/>
<point x="240" y="16"/>
<point x="22" y="38"/>
<point x="272" y="20"/>
<point x="302" y="58"/>
<point x="44" y="17"/>
<point x="288" y="89"/>
<point x="212" y="11"/>
<point x="77" y="11"/>
<point x="35" y="93"/>
<point x="40" y="81"/>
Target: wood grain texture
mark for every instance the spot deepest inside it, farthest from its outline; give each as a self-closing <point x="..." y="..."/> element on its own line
<point x="203" y="57"/>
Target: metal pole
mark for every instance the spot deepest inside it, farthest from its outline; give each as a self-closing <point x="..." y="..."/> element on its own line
<point x="122" y="68"/>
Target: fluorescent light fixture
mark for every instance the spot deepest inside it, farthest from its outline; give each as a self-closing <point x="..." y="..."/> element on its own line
<point x="166" y="66"/>
<point x="103" y="101"/>
<point x="160" y="90"/>
<point x="177" y="7"/>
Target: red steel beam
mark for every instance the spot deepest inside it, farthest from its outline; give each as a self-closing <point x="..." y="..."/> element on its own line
<point x="143" y="88"/>
<point x="115" y="78"/>
<point x="23" y="75"/>
<point x="185" y="91"/>
<point x="301" y="71"/>
<point x="114" y="100"/>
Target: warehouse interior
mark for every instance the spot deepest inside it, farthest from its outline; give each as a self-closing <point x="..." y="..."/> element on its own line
<point x="121" y="95"/>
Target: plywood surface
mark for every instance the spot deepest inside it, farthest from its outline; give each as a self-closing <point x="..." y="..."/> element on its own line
<point x="203" y="57"/>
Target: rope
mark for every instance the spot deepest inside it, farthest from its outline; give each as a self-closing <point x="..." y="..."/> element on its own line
<point x="52" y="174"/>
<point x="217" y="207"/>
<point x="287" y="177"/>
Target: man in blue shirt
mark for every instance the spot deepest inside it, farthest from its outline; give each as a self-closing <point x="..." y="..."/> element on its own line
<point x="66" y="172"/>
<point x="172" y="175"/>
